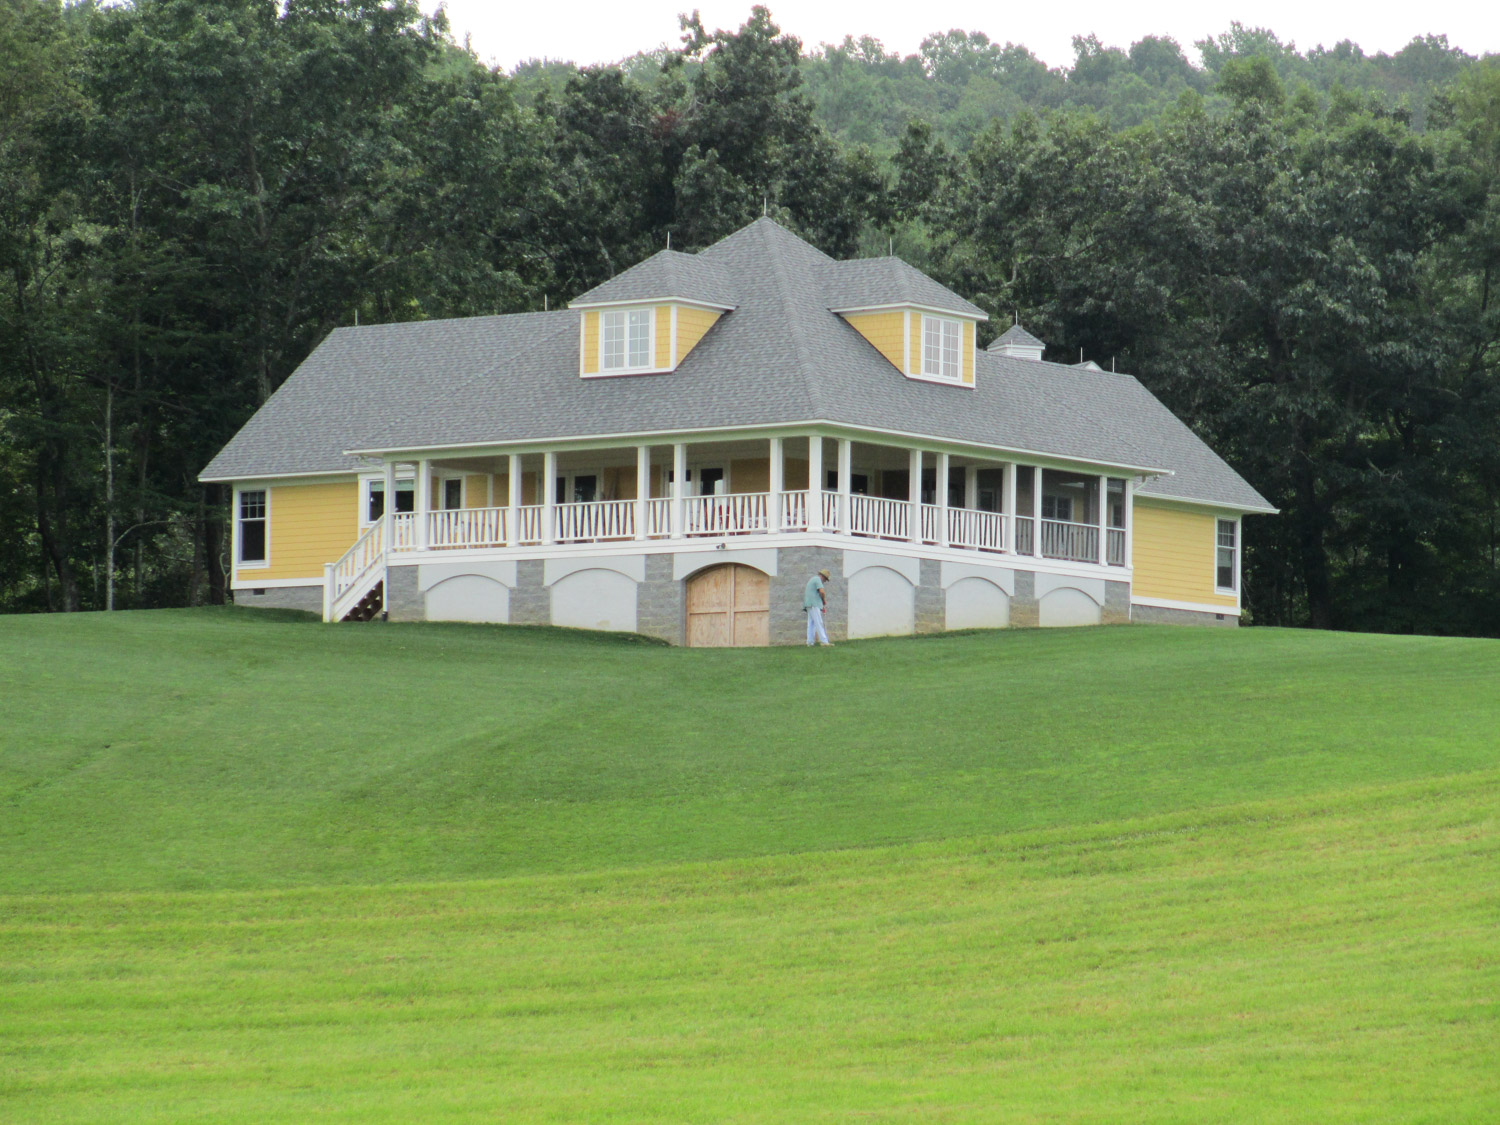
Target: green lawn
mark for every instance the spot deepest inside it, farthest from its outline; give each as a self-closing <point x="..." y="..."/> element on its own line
<point x="257" y="869"/>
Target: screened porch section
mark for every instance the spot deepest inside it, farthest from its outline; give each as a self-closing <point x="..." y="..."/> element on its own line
<point x="719" y="490"/>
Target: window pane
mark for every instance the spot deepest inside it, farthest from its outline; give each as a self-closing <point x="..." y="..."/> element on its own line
<point x="932" y="347"/>
<point x="1226" y="568"/>
<point x="951" y="337"/>
<point x="377" y="500"/>
<point x="253" y="541"/>
<point x="253" y="505"/>
<point x="406" y="496"/>
<point x="453" y="494"/>
<point x="640" y="339"/>
<point x="612" y="337"/>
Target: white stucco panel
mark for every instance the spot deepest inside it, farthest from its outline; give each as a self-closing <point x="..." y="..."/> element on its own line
<point x="1001" y="576"/>
<point x="1046" y="583"/>
<point x="630" y="566"/>
<point x="595" y="599"/>
<point x="882" y="602"/>
<point x="761" y="558"/>
<point x="1068" y="606"/>
<point x="977" y="603"/>
<point x="430" y="574"/>
<point x="468" y="597"/>
<point x="856" y="561"/>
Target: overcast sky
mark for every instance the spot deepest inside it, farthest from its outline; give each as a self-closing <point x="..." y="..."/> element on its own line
<point x="586" y="31"/>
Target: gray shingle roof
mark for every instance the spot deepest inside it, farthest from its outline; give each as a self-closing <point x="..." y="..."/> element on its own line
<point x="780" y="357"/>
<point x="864" y="282"/>
<point x="1018" y="336"/>
<point x="667" y="274"/>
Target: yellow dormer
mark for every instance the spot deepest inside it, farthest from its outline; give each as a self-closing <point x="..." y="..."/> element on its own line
<point x="929" y="344"/>
<point x="642" y="338"/>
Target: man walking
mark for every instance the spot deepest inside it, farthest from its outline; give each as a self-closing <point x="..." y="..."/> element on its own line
<point x="814" y="601"/>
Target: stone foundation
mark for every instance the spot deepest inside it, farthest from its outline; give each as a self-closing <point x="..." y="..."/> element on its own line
<point x="309" y="599"/>
<point x="1159" y="615"/>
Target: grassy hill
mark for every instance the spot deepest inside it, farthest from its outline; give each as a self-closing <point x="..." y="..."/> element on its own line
<point x="256" y="869"/>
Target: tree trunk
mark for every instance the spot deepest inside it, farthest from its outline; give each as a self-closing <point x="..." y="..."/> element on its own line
<point x="213" y="545"/>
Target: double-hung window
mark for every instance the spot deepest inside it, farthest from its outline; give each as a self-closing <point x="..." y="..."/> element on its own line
<point x="625" y="340"/>
<point x="942" y="347"/>
<point x="252" y="526"/>
<point x="1225" y="555"/>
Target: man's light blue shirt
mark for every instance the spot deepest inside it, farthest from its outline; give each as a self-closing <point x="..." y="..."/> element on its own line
<point x="810" y="599"/>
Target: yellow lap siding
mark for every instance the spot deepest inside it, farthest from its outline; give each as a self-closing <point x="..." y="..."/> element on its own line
<point x="692" y="326"/>
<point x="663" y="336"/>
<point x="477" y="491"/>
<point x="310" y="524"/>
<point x="590" y="358"/>
<point x="886" y="332"/>
<point x="968" y="349"/>
<point x="750" y="475"/>
<point x="1174" y="555"/>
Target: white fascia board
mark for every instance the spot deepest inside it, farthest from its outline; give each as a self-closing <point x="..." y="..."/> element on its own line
<point x="322" y="476"/>
<point x="1213" y="505"/>
<point x="898" y="438"/>
<point x="639" y="302"/>
<point x="901" y="305"/>
<point x="1192" y="607"/>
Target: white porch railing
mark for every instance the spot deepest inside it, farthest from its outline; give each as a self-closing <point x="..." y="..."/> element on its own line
<point x="1025" y="535"/>
<point x="1076" y="542"/>
<point x="981" y="531"/>
<point x="883" y="519"/>
<point x="793" y="511"/>
<point x="1115" y="544"/>
<point x="467" y="527"/>
<point x="734" y="513"/>
<point x="591" y="522"/>
<point x="404" y="531"/>
<point x="658" y="518"/>
<point x="742" y="513"/>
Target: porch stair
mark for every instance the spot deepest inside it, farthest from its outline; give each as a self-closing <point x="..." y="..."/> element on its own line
<point x="354" y="587"/>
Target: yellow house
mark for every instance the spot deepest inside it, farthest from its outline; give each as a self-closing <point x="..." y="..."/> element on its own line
<point x="680" y="449"/>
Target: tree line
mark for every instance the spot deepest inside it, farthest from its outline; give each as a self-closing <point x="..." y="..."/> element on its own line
<point x="1296" y="251"/>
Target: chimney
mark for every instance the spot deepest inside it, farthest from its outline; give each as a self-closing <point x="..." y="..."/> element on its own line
<point x="1017" y="343"/>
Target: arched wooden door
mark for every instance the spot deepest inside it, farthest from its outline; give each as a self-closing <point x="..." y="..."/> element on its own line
<point x="728" y="605"/>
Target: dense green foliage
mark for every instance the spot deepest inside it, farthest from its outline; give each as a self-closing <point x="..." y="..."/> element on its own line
<point x="259" y="869"/>
<point x="1296" y="249"/>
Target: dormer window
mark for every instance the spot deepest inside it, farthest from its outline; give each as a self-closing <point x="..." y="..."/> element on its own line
<point x="625" y="342"/>
<point x="942" y="342"/>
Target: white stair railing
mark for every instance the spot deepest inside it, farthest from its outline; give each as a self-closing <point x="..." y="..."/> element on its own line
<point x="347" y="581"/>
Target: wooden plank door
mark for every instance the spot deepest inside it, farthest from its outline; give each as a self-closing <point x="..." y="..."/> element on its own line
<point x="728" y="605"/>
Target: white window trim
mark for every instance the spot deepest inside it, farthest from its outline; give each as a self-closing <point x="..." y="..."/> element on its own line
<point x="264" y="564"/>
<point x="937" y="326"/>
<point x="627" y="368"/>
<point x="1239" y="579"/>
<point x="916" y="355"/>
<point x="362" y="497"/>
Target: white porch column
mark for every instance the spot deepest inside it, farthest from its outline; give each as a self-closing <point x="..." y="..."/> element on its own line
<point x="777" y="486"/>
<point x="815" y="482"/>
<point x="423" y="498"/>
<point x="1130" y="521"/>
<point x="846" y="485"/>
<point x="940" y="494"/>
<point x="1036" y="510"/>
<point x="513" y="517"/>
<point x="549" y="497"/>
<point x="1008" y="506"/>
<point x="971" y="487"/>
<point x="1103" y="521"/>
<point x="388" y="505"/>
<point x="642" y="489"/>
<point x="679" y="488"/>
<point x="914" y="494"/>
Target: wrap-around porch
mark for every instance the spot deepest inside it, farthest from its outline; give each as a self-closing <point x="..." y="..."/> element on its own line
<point x="746" y="488"/>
